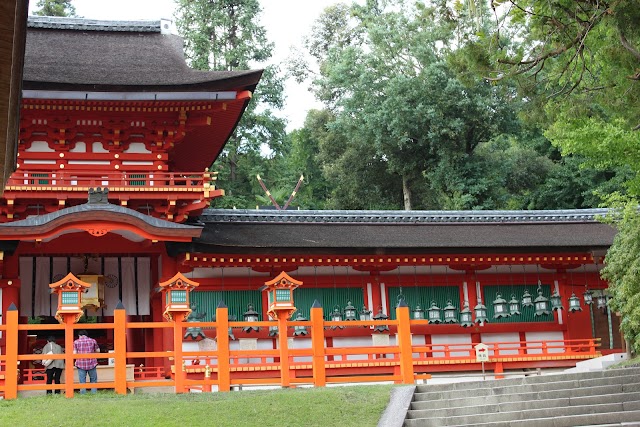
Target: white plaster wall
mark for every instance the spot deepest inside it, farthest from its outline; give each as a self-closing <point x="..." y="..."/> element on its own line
<point x="512" y="337"/>
<point x="365" y="341"/>
<point x="39" y="147"/>
<point x="452" y="339"/>
<point x="137" y="147"/>
<point x="544" y="336"/>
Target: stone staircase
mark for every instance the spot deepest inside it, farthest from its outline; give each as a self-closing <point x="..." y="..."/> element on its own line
<point x="602" y="398"/>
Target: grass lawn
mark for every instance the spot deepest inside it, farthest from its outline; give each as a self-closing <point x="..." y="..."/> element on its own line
<point x="347" y="406"/>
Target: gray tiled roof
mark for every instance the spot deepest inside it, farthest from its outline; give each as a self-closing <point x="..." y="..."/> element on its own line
<point x="61" y="54"/>
<point x="35" y="221"/>
<point x="82" y="24"/>
<point x="411" y="217"/>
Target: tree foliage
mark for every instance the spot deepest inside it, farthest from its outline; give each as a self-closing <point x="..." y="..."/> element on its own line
<point x="226" y="35"/>
<point x="396" y="103"/>
<point x="55" y="8"/>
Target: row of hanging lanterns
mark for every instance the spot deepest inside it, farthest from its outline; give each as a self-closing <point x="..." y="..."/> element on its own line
<point x="501" y="309"/>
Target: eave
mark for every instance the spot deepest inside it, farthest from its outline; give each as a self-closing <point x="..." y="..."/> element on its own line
<point x="98" y="220"/>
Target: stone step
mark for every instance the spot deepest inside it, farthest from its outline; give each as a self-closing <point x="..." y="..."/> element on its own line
<point x="526" y="405"/>
<point x="520" y="397"/>
<point x="479" y="384"/>
<point x="513" y="416"/>
<point x="610" y="419"/>
<point x="498" y="388"/>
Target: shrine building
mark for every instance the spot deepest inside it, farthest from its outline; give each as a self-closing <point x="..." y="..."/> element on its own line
<point x="110" y="178"/>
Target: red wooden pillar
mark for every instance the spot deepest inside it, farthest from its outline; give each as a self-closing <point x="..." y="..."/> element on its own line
<point x="69" y="360"/>
<point x="283" y="343"/>
<point x="404" y="343"/>
<point x="11" y="295"/>
<point x="317" y="344"/>
<point x="222" y="337"/>
<point x="178" y="334"/>
<point x="11" y="355"/>
<point x="120" y="346"/>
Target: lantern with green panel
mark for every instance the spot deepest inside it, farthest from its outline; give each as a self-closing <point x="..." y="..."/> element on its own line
<point x="280" y="295"/>
<point x="176" y="296"/>
<point x="69" y="290"/>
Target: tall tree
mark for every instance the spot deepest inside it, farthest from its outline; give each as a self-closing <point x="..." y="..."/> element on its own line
<point x="383" y="74"/>
<point x="225" y="35"/>
<point x="55" y="8"/>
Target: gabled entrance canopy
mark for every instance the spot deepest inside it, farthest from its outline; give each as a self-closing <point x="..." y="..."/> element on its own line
<point x="98" y="219"/>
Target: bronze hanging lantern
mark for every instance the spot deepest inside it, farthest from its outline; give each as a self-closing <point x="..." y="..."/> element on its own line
<point x="299" y="330"/>
<point x="466" y="320"/>
<point x="350" y="312"/>
<point x="250" y="316"/>
<point x="602" y="300"/>
<point x="556" y="301"/>
<point x="434" y="313"/>
<point x="500" y="308"/>
<point x="541" y="304"/>
<point x="418" y="313"/>
<point x="365" y="314"/>
<point x="514" y="306"/>
<point x="336" y="316"/>
<point x="481" y="312"/>
<point x="450" y="315"/>
<point x="574" y="303"/>
<point x="380" y="316"/>
<point x="588" y="297"/>
<point x="527" y="299"/>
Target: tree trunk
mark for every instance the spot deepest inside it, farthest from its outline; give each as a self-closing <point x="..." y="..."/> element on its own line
<point x="406" y="193"/>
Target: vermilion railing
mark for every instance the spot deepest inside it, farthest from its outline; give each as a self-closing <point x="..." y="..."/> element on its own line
<point x="222" y="368"/>
<point x="116" y="181"/>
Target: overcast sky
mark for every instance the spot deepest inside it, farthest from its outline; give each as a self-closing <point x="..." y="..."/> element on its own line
<point x="286" y="21"/>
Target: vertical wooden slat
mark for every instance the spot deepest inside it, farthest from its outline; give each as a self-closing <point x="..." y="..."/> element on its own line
<point x="222" y="336"/>
<point x="120" y="348"/>
<point x="11" y="360"/>
<point x="404" y="342"/>
<point x="317" y="345"/>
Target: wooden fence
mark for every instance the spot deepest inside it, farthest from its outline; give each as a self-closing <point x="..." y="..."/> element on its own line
<point x="223" y="369"/>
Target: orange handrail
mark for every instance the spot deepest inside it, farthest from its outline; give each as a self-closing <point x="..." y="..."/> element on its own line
<point x="315" y="364"/>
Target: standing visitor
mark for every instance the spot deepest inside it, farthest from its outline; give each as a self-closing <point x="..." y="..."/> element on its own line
<point x="84" y="345"/>
<point x="54" y="367"/>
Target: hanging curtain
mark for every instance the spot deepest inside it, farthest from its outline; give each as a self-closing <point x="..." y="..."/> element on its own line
<point x="132" y="280"/>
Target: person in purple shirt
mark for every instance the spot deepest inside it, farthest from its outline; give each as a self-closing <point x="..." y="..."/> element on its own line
<point x="83" y="345"/>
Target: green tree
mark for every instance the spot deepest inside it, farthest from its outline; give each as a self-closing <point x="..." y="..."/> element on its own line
<point x="225" y="35"/>
<point x="55" y="8"/>
<point x="383" y="74"/>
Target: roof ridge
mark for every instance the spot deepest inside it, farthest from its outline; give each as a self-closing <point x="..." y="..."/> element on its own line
<point x="537" y="216"/>
<point x="85" y="24"/>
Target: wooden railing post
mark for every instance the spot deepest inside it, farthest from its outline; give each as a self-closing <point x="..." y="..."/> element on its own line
<point x="69" y="361"/>
<point x="222" y="336"/>
<point x="177" y="351"/>
<point x="11" y="365"/>
<point x="404" y="342"/>
<point x="120" y="348"/>
<point x="317" y="345"/>
<point x="285" y="375"/>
